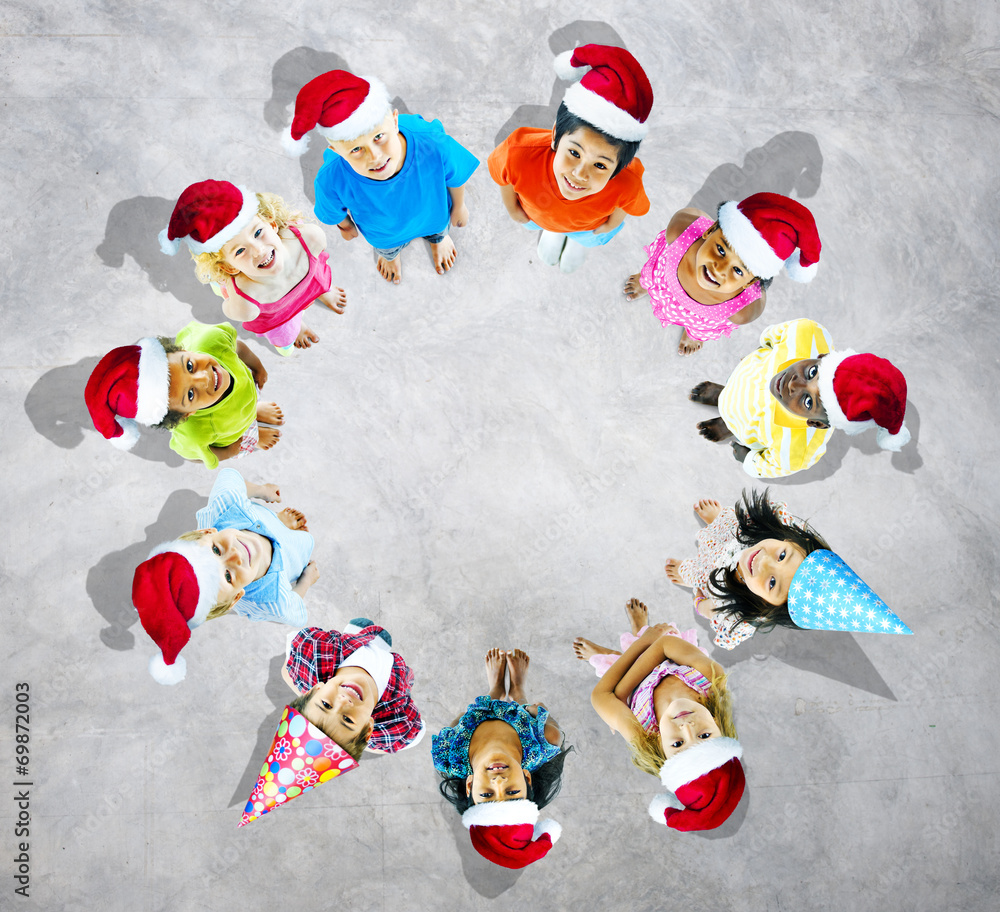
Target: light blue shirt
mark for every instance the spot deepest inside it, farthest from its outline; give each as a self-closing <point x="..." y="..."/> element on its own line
<point x="270" y="598"/>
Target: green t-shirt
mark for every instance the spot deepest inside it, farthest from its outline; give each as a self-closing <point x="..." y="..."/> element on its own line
<point x="226" y="421"/>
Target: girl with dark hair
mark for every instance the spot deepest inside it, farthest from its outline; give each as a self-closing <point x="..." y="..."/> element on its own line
<point x="500" y="762"/>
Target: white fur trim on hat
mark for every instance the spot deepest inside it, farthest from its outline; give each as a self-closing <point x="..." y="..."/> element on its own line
<point x="207" y="571"/>
<point x="129" y="436"/>
<point x="167" y="246"/>
<point x="894" y="442"/>
<point x="294" y="147"/>
<point x="828" y="365"/>
<point x="366" y="117"/>
<point x="153" y="393"/>
<point x="167" y="674"/>
<point x="246" y="215"/>
<point x="796" y="271"/>
<point x="660" y="803"/>
<point x="603" y="114"/>
<point x="502" y="813"/>
<point x="564" y="67"/>
<point x="748" y="242"/>
<point x="697" y="760"/>
<point x="552" y="827"/>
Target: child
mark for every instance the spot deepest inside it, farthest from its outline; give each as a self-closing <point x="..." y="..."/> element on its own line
<point x="244" y="558"/>
<point x="500" y="762"/>
<point x="267" y="265"/>
<point x="671" y="705"/>
<point x="392" y="177"/>
<point x="756" y="560"/>
<point x="708" y="277"/>
<point x="782" y="400"/>
<point x="578" y="182"/>
<point x="202" y="387"/>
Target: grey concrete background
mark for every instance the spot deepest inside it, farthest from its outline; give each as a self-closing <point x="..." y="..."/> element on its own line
<point x="504" y="455"/>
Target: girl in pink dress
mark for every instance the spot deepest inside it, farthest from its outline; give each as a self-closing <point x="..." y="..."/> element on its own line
<point x="708" y="277"/>
<point x="266" y="263"/>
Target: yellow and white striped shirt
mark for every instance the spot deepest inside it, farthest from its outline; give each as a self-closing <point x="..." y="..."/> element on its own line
<point x="780" y="443"/>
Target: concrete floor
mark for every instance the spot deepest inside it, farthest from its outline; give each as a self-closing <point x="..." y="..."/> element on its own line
<point x="504" y="456"/>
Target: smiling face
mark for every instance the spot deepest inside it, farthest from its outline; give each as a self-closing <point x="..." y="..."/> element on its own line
<point x="377" y="155"/>
<point x="244" y="557"/>
<point x="256" y="251"/>
<point x="797" y="389"/>
<point x="583" y="163"/>
<point x="497" y="775"/>
<point x="342" y="706"/>
<point x="767" y="568"/>
<point x="717" y="267"/>
<point x="684" y="723"/>
<point x="197" y="381"/>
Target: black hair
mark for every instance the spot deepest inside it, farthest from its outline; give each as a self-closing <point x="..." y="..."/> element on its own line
<point x="567" y="122"/>
<point x="546" y="781"/>
<point x="757" y="519"/>
<point x="764" y="283"/>
<point x="169" y="421"/>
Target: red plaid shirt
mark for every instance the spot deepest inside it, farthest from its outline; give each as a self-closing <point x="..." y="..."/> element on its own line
<point x="316" y="655"/>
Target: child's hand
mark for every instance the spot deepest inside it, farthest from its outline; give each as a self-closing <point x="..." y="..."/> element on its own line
<point x="349" y="231"/>
<point x="460" y="216"/>
<point x="665" y="630"/>
<point x="310" y="575"/>
<point x="704" y="604"/>
<point x="513" y="205"/>
<point x="740" y="452"/>
<point x="259" y="374"/>
<point x="266" y="492"/>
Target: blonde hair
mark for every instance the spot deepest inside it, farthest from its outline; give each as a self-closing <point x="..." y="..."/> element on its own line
<point x="223" y="607"/>
<point x="273" y="210"/>
<point x="647" y="749"/>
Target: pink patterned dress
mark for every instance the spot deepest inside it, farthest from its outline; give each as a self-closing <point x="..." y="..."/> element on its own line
<point x="672" y="305"/>
<point x="715" y="544"/>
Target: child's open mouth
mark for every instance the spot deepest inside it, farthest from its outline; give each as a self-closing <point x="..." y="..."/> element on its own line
<point x="573" y="186"/>
<point x="215" y="375"/>
<point x="708" y="276"/>
<point x="354" y="690"/>
<point x="753" y="557"/>
<point x="267" y="263"/>
<point x="380" y="168"/>
<point x="496" y="767"/>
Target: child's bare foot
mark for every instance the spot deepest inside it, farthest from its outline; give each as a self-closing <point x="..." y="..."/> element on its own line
<point x="633" y="290"/>
<point x="444" y="254"/>
<point x="715" y="430"/>
<point x="673" y="568"/>
<point x="517" y="672"/>
<point x="496" y="673"/>
<point x="687" y="345"/>
<point x="638" y="615"/>
<point x="293" y="519"/>
<point x="708" y="510"/>
<point x="270" y="413"/>
<point x="706" y="392"/>
<point x="335" y="299"/>
<point x="305" y="338"/>
<point x="584" y="649"/>
<point x="390" y="270"/>
<point x="267" y="437"/>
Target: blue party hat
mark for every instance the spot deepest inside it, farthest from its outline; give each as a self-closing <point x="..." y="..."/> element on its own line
<point x="826" y="594"/>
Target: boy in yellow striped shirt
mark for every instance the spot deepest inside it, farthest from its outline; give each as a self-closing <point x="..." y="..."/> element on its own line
<point x="783" y="400"/>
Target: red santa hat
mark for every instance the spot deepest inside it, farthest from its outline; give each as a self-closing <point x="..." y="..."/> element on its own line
<point x="338" y="105"/>
<point x="707" y="782"/>
<point x="208" y="215"/>
<point x="611" y="91"/>
<point x="769" y="231"/>
<point x="864" y="391"/>
<point x="509" y="833"/>
<point x="130" y="386"/>
<point x="173" y="591"/>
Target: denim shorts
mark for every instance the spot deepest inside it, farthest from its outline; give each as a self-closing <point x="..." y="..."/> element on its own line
<point x="392" y="252"/>
<point x="583" y="238"/>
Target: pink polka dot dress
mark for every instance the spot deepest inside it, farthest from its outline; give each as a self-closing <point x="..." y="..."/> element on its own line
<point x="672" y="305"/>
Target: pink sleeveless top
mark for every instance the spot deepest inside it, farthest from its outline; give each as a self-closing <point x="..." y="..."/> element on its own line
<point x="672" y="305"/>
<point x="315" y="282"/>
<point x="641" y="701"/>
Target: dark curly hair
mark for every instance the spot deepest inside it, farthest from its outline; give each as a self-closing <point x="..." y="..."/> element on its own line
<point x="764" y="283"/>
<point x="757" y="519"/>
<point x="169" y="421"/>
<point x="567" y="122"/>
<point x="546" y="781"/>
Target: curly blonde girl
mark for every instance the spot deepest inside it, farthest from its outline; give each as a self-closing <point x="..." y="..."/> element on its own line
<point x="210" y="267"/>
<point x="197" y="536"/>
<point x="646" y="748"/>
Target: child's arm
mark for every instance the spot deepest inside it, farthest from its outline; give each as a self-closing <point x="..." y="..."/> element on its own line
<point x="236" y="307"/>
<point x="268" y="492"/>
<point x="749" y="313"/>
<point x="614" y="220"/>
<point x="611" y="708"/>
<point x="348" y="230"/>
<point x="226" y="452"/>
<point x="666" y="647"/>
<point x="553" y="733"/>
<point x="313" y="235"/>
<point x="459" y="211"/>
<point x="253" y="362"/>
<point x="306" y="579"/>
<point x="513" y="205"/>
<point x="681" y="219"/>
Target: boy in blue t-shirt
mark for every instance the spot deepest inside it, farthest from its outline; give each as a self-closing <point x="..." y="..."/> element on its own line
<point x="392" y="178"/>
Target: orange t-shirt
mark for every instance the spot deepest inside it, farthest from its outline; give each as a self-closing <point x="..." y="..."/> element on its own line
<point x="524" y="161"/>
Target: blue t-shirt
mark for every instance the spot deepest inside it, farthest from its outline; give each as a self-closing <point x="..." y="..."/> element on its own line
<point x="271" y="597"/>
<point x="413" y="202"/>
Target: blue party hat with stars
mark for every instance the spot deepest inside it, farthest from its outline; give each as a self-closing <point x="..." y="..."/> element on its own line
<point x="826" y="594"/>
